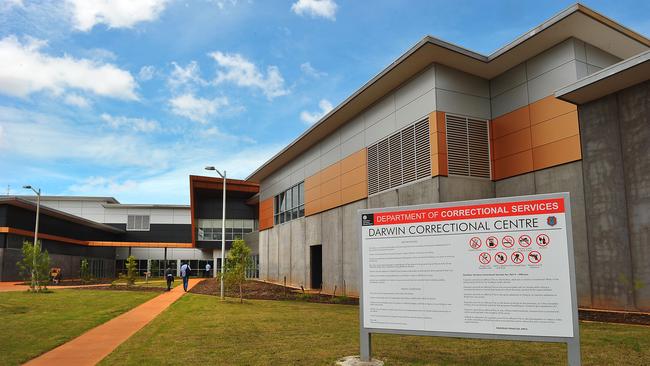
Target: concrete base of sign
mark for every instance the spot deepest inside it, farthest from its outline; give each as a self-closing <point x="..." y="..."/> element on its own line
<point x="356" y="361"/>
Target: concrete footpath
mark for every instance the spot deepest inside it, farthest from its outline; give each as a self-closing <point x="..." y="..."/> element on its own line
<point x="92" y="346"/>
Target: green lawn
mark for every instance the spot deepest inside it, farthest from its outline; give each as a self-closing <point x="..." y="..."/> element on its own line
<point x="152" y="282"/>
<point x="35" y="323"/>
<point x="202" y="330"/>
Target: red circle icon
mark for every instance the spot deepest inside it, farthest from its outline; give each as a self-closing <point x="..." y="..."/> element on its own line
<point x="517" y="257"/>
<point x="534" y="257"/>
<point x="543" y="240"/>
<point x="525" y="241"/>
<point x="491" y="242"/>
<point x="484" y="258"/>
<point x="475" y="242"/>
<point x="508" y="241"/>
<point x="500" y="257"/>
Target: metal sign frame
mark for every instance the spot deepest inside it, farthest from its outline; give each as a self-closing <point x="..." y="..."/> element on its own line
<point x="573" y="343"/>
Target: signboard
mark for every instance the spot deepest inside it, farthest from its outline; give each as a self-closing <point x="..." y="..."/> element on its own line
<point x="500" y="268"/>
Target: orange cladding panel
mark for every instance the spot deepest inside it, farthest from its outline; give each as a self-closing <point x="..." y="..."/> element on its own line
<point x="266" y="214"/>
<point x="511" y="144"/>
<point x="557" y="152"/>
<point x="512" y="165"/>
<point x="342" y="182"/>
<point x="548" y="108"/>
<point x="354" y="160"/>
<point x="555" y="129"/>
<point x="510" y="122"/>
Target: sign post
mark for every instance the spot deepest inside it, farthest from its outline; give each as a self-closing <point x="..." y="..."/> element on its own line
<point x="493" y="269"/>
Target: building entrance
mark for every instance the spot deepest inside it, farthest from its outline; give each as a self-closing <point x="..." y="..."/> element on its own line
<point x="316" y="264"/>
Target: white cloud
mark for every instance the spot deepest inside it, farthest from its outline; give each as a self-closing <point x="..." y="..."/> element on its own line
<point x="316" y="8"/>
<point x="237" y="69"/>
<point x="6" y="5"/>
<point x="197" y="109"/>
<point x="187" y="76"/>
<point x="114" y="13"/>
<point x="135" y="124"/>
<point x="24" y="70"/>
<point x="313" y="117"/>
<point x="173" y="184"/>
<point x="309" y="70"/>
<point x="76" y="100"/>
<point x="32" y="136"/>
<point x="146" y="73"/>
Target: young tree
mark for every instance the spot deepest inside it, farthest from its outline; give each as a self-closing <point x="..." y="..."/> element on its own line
<point x="85" y="270"/>
<point x="239" y="259"/>
<point x="131" y="270"/>
<point x="39" y="273"/>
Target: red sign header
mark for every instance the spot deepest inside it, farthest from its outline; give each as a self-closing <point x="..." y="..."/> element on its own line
<point x="517" y="208"/>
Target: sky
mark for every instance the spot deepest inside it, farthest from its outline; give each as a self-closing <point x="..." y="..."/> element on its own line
<point x="128" y="98"/>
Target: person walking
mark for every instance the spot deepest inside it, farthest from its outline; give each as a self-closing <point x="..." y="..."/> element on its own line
<point x="207" y="270"/>
<point x="169" y="276"/>
<point x="185" y="274"/>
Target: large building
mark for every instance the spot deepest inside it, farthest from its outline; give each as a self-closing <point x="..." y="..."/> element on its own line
<point x="563" y="108"/>
<point x="443" y="123"/>
<point x="106" y="232"/>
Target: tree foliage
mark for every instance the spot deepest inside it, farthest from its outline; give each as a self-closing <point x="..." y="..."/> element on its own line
<point x="39" y="274"/>
<point x="239" y="259"/>
<point x="131" y="270"/>
<point x="85" y="270"/>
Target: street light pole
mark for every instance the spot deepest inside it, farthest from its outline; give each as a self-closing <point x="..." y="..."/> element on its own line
<point x="223" y="229"/>
<point x="38" y="209"/>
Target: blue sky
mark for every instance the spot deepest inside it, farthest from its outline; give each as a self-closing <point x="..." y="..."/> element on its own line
<point x="128" y="98"/>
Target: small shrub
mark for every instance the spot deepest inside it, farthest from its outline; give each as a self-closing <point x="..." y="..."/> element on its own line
<point x="239" y="259"/>
<point x="85" y="270"/>
<point x="131" y="270"/>
<point x="39" y="274"/>
<point x="304" y="297"/>
<point x="339" y="300"/>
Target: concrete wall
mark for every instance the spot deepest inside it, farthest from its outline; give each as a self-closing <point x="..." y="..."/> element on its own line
<point x="616" y="169"/>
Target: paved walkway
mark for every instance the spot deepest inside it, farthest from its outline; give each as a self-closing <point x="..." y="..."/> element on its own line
<point x="92" y="346"/>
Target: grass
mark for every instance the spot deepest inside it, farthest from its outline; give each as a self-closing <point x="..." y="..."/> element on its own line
<point x="35" y="323"/>
<point x="153" y="282"/>
<point x="201" y="329"/>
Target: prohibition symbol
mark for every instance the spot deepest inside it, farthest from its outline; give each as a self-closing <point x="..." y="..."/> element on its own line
<point x="543" y="240"/>
<point x="491" y="242"/>
<point x="517" y="257"/>
<point x="508" y="241"/>
<point x="475" y="242"/>
<point x="484" y="258"/>
<point x="534" y="257"/>
<point x="525" y="241"/>
<point x="500" y="257"/>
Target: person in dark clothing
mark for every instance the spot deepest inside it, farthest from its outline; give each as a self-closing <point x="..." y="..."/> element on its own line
<point x="169" y="276"/>
<point x="185" y="274"/>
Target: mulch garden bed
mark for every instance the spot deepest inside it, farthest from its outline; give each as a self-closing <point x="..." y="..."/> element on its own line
<point x="267" y="291"/>
<point x="614" y="316"/>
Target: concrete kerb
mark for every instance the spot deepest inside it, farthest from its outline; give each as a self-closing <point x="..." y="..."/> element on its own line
<point x="356" y="361"/>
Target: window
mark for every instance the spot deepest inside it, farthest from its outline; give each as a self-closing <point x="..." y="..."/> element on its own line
<point x="401" y="158"/>
<point x="468" y="146"/>
<point x="137" y="223"/>
<point x="210" y="229"/>
<point x="290" y="204"/>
